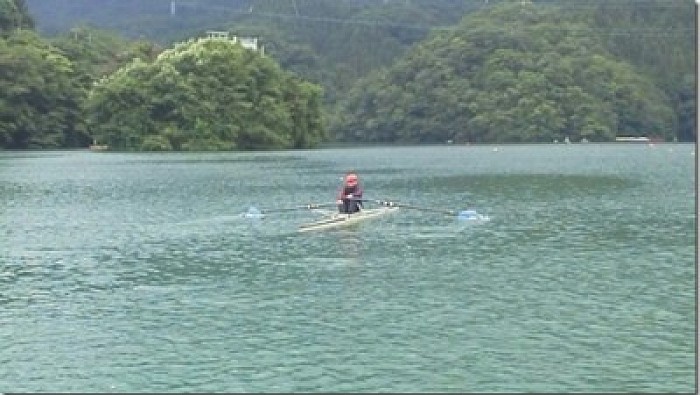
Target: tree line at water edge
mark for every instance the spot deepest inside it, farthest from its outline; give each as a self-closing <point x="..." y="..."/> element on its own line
<point x="511" y="73"/>
<point x="208" y="94"/>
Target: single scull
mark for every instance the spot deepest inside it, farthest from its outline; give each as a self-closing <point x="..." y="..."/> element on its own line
<point x="337" y="220"/>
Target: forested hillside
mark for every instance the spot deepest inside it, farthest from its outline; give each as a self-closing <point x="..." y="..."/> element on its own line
<point x="391" y="70"/>
<point x="332" y="42"/>
<point x="513" y="73"/>
<point x="660" y="39"/>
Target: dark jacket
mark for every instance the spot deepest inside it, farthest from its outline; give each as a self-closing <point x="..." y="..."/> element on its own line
<point x="350" y="205"/>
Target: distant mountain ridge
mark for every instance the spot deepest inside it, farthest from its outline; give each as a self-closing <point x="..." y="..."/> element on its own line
<point x="138" y="18"/>
<point x="331" y="42"/>
<point x="54" y="16"/>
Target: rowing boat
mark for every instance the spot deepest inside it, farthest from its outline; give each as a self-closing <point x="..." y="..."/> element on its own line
<point x="337" y="220"/>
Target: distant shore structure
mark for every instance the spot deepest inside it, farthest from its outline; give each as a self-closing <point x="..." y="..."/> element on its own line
<point x="98" y="147"/>
<point x="625" y="139"/>
<point x="247" y="42"/>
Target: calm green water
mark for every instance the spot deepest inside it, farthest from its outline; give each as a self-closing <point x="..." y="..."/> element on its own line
<point x="136" y="272"/>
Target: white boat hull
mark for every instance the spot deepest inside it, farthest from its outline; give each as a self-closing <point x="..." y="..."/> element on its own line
<point x="338" y="220"/>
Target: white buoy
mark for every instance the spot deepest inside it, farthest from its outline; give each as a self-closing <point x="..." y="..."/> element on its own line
<point x="253" y="213"/>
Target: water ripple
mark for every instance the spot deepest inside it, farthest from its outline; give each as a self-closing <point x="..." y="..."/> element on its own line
<point x="122" y="273"/>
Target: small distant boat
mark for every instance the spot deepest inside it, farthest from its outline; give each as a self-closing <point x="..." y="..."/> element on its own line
<point x="629" y="139"/>
<point x="98" y="147"/>
<point x="337" y="220"/>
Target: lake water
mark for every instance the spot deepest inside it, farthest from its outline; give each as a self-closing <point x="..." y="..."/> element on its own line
<point x="137" y="272"/>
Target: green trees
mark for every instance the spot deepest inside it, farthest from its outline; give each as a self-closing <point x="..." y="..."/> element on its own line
<point x="97" y="53"/>
<point x="44" y="83"/>
<point x="513" y="73"/>
<point x="203" y="95"/>
<point x="509" y="72"/>
<point x="661" y="42"/>
<point x="40" y="96"/>
<point x="14" y="15"/>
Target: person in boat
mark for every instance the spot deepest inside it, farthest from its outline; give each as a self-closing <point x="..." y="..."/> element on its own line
<point x="350" y="194"/>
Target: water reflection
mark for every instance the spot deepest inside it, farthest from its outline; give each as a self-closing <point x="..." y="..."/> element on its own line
<point x="350" y="243"/>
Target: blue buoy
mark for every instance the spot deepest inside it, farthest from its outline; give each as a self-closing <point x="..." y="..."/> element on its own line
<point x="472" y="216"/>
<point x="466" y="215"/>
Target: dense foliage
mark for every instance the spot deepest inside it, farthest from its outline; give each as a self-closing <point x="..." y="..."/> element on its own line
<point x="40" y="95"/>
<point x="98" y="53"/>
<point x="329" y="42"/>
<point x="336" y="42"/>
<point x="513" y="73"/>
<point x="659" y="38"/>
<point x="14" y="14"/>
<point x="202" y="95"/>
<point x="517" y="71"/>
<point x="44" y="83"/>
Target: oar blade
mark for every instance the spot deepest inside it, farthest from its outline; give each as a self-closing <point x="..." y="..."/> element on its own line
<point x="253" y="213"/>
<point x="472" y="216"/>
<point x="466" y="215"/>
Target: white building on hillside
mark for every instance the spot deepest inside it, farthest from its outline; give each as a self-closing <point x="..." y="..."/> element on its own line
<point x="247" y="42"/>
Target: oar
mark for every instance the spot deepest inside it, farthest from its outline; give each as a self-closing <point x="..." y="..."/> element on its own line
<point x="254" y="212"/>
<point x="462" y="214"/>
<point x="309" y="206"/>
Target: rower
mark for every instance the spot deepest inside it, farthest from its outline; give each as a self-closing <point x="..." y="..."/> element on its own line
<point x="350" y="194"/>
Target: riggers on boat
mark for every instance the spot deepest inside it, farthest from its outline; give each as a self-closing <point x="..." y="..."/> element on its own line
<point x="339" y="220"/>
